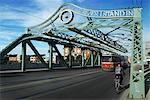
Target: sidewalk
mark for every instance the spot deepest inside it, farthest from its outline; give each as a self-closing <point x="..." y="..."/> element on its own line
<point x="148" y="95"/>
<point x="124" y="95"/>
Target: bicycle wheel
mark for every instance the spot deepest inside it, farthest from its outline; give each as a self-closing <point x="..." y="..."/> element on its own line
<point x="117" y="86"/>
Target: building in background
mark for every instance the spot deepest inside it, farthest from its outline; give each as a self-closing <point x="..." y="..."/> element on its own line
<point x="35" y="59"/>
<point x="29" y="58"/>
<point x="87" y="54"/>
<point x="75" y="52"/>
<point x="12" y="58"/>
<point x="147" y="48"/>
<point x="147" y="53"/>
<point x="66" y="52"/>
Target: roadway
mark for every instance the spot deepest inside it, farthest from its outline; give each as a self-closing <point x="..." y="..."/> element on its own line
<point x="91" y="83"/>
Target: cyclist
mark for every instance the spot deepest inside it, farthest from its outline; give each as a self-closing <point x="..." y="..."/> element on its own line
<point x="119" y="72"/>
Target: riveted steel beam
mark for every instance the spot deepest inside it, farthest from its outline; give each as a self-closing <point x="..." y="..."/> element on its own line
<point x="35" y="51"/>
<point x="88" y="34"/>
<point x="23" y="57"/>
<point x="137" y="82"/>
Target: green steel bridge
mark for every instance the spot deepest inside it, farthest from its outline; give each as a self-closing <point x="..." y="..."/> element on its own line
<point x="73" y="26"/>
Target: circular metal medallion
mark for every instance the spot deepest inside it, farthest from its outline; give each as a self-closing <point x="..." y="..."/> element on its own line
<point x="66" y="16"/>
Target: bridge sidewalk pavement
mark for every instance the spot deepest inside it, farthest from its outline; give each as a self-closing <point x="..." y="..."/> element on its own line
<point x="125" y="92"/>
<point x="124" y="96"/>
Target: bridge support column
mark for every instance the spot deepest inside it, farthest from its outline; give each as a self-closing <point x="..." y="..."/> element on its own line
<point x="137" y="85"/>
<point x="82" y="58"/>
<point x="36" y="52"/>
<point x="92" y="58"/>
<point x="70" y="57"/>
<point x="63" y="62"/>
<point x="88" y="58"/>
<point x="99" y="58"/>
<point x="95" y="58"/>
<point x="23" y="61"/>
<point x="50" y="51"/>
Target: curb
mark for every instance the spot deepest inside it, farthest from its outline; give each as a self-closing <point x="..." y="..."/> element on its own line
<point x="148" y="95"/>
<point x="124" y="95"/>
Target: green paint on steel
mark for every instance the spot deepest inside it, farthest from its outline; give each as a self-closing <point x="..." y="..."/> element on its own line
<point x="70" y="57"/>
<point x="99" y="58"/>
<point x="92" y="58"/>
<point x="96" y="58"/>
<point x="23" y="60"/>
<point x="82" y="58"/>
<point x="50" y="56"/>
<point x="137" y="85"/>
<point x="133" y="18"/>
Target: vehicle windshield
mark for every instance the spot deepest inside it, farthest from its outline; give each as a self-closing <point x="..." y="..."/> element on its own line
<point x="106" y="58"/>
<point x="110" y="59"/>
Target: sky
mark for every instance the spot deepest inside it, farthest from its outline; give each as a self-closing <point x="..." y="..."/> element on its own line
<point x="15" y="15"/>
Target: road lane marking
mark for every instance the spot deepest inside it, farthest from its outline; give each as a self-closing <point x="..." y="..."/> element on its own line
<point x="50" y="91"/>
<point x="47" y="80"/>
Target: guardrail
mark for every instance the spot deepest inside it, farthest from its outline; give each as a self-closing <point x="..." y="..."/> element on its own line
<point x="146" y="70"/>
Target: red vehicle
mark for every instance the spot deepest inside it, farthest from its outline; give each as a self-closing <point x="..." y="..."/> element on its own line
<point x="109" y="62"/>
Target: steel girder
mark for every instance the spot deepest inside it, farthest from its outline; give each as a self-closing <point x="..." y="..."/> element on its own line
<point x="89" y="27"/>
<point x="137" y="81"/>
<point x="13" y="45"/>
<point x="137" y="89"/>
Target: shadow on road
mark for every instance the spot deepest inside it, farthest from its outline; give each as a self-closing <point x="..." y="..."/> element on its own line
<point x="123" y="88"/>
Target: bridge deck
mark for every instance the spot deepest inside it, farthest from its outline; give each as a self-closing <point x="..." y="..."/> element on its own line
<point x="60" y="84"/>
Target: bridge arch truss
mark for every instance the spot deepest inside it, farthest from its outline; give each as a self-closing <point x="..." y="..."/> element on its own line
<point x="74" y="26"/>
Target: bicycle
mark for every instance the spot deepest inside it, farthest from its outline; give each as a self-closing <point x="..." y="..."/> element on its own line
<point x="117" y="84"/>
